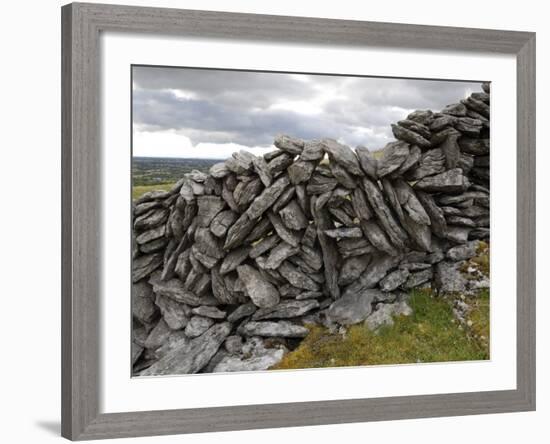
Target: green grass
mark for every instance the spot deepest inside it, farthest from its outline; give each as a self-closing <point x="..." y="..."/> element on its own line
<point x="430" y="334"/>
<point x="138" y="190"/>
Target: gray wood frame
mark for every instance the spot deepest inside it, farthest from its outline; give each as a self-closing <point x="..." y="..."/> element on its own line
<point x="81" y="166"/>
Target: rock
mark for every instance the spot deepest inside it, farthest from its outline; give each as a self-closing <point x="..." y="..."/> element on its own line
<point x="263" y="293"/>
<point x="290" y="236"/>
<point x="394" y="280"/>
<point x="281" y="329"/>
<point x="262" y="169"/>
<point x="175" y="314"/>
<point x="242" y="311"/>
<point x="352" y="308"/>
<point x="424" y="117"/>
<point x="415" y="154"/>
<point x="384" y="314"/>
<point x="448" y="278"/>
<point x="477" y="106"/>
<point x="286" y="309"/>
<point x="416" y="127"/>
<point x="360" y="205"/>
<point x="280" y="163"/>
<point x="233" y="344"/>
<point x="267" y="198"/>
<point x="233" y="259"/>
<point x="152" y="219"/>
<point x="377" y="237"/>
<point x="222" y="221"/>
<point x="343" y="155"/>
<point x="209" y="312"/>
<point x="300" y="171"/>
<point x="219" y="170"/>
<point x="289" y="144"/>
<point x="379" y="267"/>
<point x="263" y="246"/>
<point x="342" y="176"/>
<point x="463" y="252"/>
<point x="456" y="109"/>
<point x="143" y="305"/>
<point x="431" y="162"/>
<point x="437" y="218"/>
<point x="352" y="269"/>
<point x="296" y="277"/>
<point x="238" y="231"/>
<point x="410" y="203"/>
<point x="208" y="208"/>
<point x="151" y="235"/>
<point x="393" y="156"/>
<point x="442" y="122"/>
<point x="293" y="216"/>
<point x="418" y="278"/>
<point x="409" y="136"/>
<point x="368" y="162"/>
<point x="261" y="229"/>
<point x="345" y="233"/>
<point x="279" y="254"/>
<point x="475" y="147"/>
<point x="192" y="356"/>
<point x="394" y="231"/>
<point x="451" y="181"/>
<point x="144" y="265"/>
<point x="158" y="335"/>
<point x="175" y="289"/>
<point x="451" y="150"/>
<point x="197" y="325"/>
<point x="262" y="361"/>
<point x="458" y="234"/>
<point x="313" y="150"/>
<point x="461" y="221"/>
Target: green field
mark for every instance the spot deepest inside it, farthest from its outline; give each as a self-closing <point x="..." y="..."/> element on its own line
<point x="138" y="190"/>
<point x="430" y="334"/>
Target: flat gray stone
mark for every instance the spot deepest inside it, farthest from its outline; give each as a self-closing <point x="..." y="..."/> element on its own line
<point x="197" y="325"/>
<point x="191" y="357"/>
<point x="394" y="280"/>
<point x="463" y="252"/>
<point x="451" y="181"/>
<point x="368" y="162"/>
<point x="267" y="198"/>
<point x="209" y="312"/>
<point x="352" y="268"/>
<point x="175" y="314"/>
<point x="286" y="309"/>
<point x="393" y="156"/>
<point x="261" y="292"/>
<point x="281" y="329"/>
<point x="279" y="254"/>
<point x="143" y="305"/>
<point x="352" y="308"/>
<point x="293" y="216"/>
<point x="343" y="155"/>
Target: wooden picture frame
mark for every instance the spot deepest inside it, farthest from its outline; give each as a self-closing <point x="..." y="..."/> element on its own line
<point x="81" y="167"/>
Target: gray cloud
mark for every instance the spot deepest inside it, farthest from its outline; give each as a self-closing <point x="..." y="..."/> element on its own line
<point x="250" y="108"/>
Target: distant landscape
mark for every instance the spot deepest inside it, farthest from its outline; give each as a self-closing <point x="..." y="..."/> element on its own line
<point x="160" y="173"/>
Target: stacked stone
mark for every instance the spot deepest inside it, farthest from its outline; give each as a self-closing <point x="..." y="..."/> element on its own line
<point x="229" y="266"/>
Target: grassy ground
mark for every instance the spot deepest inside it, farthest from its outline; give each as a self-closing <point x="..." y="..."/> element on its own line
<point x="431" y="334"/>
<point x="138" y="190"/>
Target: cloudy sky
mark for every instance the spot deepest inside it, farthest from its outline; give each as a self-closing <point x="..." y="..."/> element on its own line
<point x="182" y="112"/>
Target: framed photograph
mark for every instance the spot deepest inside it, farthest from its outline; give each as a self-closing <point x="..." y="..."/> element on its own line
<point x="278" y="221"/>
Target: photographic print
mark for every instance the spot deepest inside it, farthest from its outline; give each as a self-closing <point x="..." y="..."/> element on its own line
<point x="291" y="221"/>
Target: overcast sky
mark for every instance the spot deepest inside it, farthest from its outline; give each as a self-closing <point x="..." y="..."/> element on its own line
<point x="182" y="112"/>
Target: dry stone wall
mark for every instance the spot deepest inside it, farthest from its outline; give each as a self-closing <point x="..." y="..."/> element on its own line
<point x="229" y="266"/>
